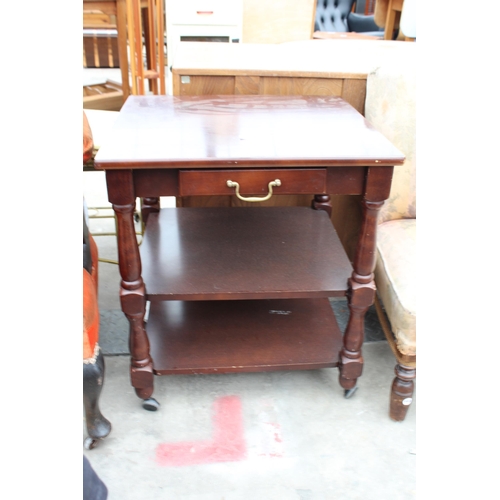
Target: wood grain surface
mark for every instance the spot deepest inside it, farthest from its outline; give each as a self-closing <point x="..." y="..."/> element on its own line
<point x="239" y="131"/>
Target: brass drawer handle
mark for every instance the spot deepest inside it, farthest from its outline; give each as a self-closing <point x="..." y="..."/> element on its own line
<point x="254" y="199"/>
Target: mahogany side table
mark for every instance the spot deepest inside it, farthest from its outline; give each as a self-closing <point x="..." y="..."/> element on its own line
<point x="234" y="289"/>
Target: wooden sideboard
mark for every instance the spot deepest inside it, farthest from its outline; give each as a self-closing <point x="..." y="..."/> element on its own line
<point x="295" y="68"/>
<point x="312" y="67"/>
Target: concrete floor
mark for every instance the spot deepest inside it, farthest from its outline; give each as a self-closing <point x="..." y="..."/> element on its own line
<point x="279" y="436"/>
<point x="282" y="435"/>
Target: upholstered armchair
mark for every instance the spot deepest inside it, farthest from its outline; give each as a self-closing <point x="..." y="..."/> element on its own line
<point x="390" y="107"/>
<point x="98" y="427"/>
<point x="337" y="16"/>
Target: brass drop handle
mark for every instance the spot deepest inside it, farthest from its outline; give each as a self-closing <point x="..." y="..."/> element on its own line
<point x="254" y="199"/>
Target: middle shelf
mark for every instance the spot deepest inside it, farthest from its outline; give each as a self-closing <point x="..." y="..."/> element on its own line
<point x="240" y="253"/>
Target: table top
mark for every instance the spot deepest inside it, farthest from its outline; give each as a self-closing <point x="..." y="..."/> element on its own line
<point x="242" y="131"/>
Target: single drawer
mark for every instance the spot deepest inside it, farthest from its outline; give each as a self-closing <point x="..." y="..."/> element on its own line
<point x="252" y="182"/>
<point x="205" y="12"/>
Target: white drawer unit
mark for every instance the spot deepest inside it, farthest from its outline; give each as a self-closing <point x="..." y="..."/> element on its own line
<point x="218" y="21"/>
<point x="205" y="12"/>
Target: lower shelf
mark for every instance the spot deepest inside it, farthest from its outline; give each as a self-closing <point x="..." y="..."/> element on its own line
<point x="242" y="336"/>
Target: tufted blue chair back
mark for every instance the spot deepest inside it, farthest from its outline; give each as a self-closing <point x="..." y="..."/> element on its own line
<point x="331" y="15"/>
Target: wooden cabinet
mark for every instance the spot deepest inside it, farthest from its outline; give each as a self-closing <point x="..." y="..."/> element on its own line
<point x="314" y="67"/>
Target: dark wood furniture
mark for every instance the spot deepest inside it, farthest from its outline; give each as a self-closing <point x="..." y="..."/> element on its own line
<point x="243" y="288"/>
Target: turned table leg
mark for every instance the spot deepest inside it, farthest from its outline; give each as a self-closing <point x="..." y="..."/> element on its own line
<point x="322" y="202"/>
<point x="149" y="205"/>
<point x="361" y="291"/>
<point x="132" y="288"/>
<point x="361" y="294"/>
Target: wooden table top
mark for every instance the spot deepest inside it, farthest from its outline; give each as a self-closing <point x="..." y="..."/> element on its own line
<point x="242" y="131"/>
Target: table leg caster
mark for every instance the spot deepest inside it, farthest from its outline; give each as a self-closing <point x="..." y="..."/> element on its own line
<point x="350" y="392"/>
<point x="150" y="404"/>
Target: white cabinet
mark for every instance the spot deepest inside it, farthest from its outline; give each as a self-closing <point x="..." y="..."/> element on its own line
<point x="201" y="20"/>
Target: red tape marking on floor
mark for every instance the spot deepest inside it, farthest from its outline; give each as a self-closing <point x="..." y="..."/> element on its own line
<point x="227" y="444"/>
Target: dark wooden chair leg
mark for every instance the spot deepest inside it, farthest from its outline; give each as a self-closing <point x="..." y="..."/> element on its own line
<point x="402" y="392"/>
<point x="98" y="427"/>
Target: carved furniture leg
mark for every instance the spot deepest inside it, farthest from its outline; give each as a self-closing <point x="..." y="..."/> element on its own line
<point x="98" y="427"/>
<point x="402" y="392"/>
<point x="133" y="302"/>
<point x="360" y="296"/>
<point x="132" y="290"/>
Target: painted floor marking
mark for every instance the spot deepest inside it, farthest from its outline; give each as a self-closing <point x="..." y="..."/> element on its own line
<point x="227" y="444"/>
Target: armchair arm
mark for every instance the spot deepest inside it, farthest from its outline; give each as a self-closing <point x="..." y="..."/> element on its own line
<point x="336" y="35"/>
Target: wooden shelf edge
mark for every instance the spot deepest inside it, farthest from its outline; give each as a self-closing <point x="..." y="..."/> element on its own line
<point x="243" y="336"/>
